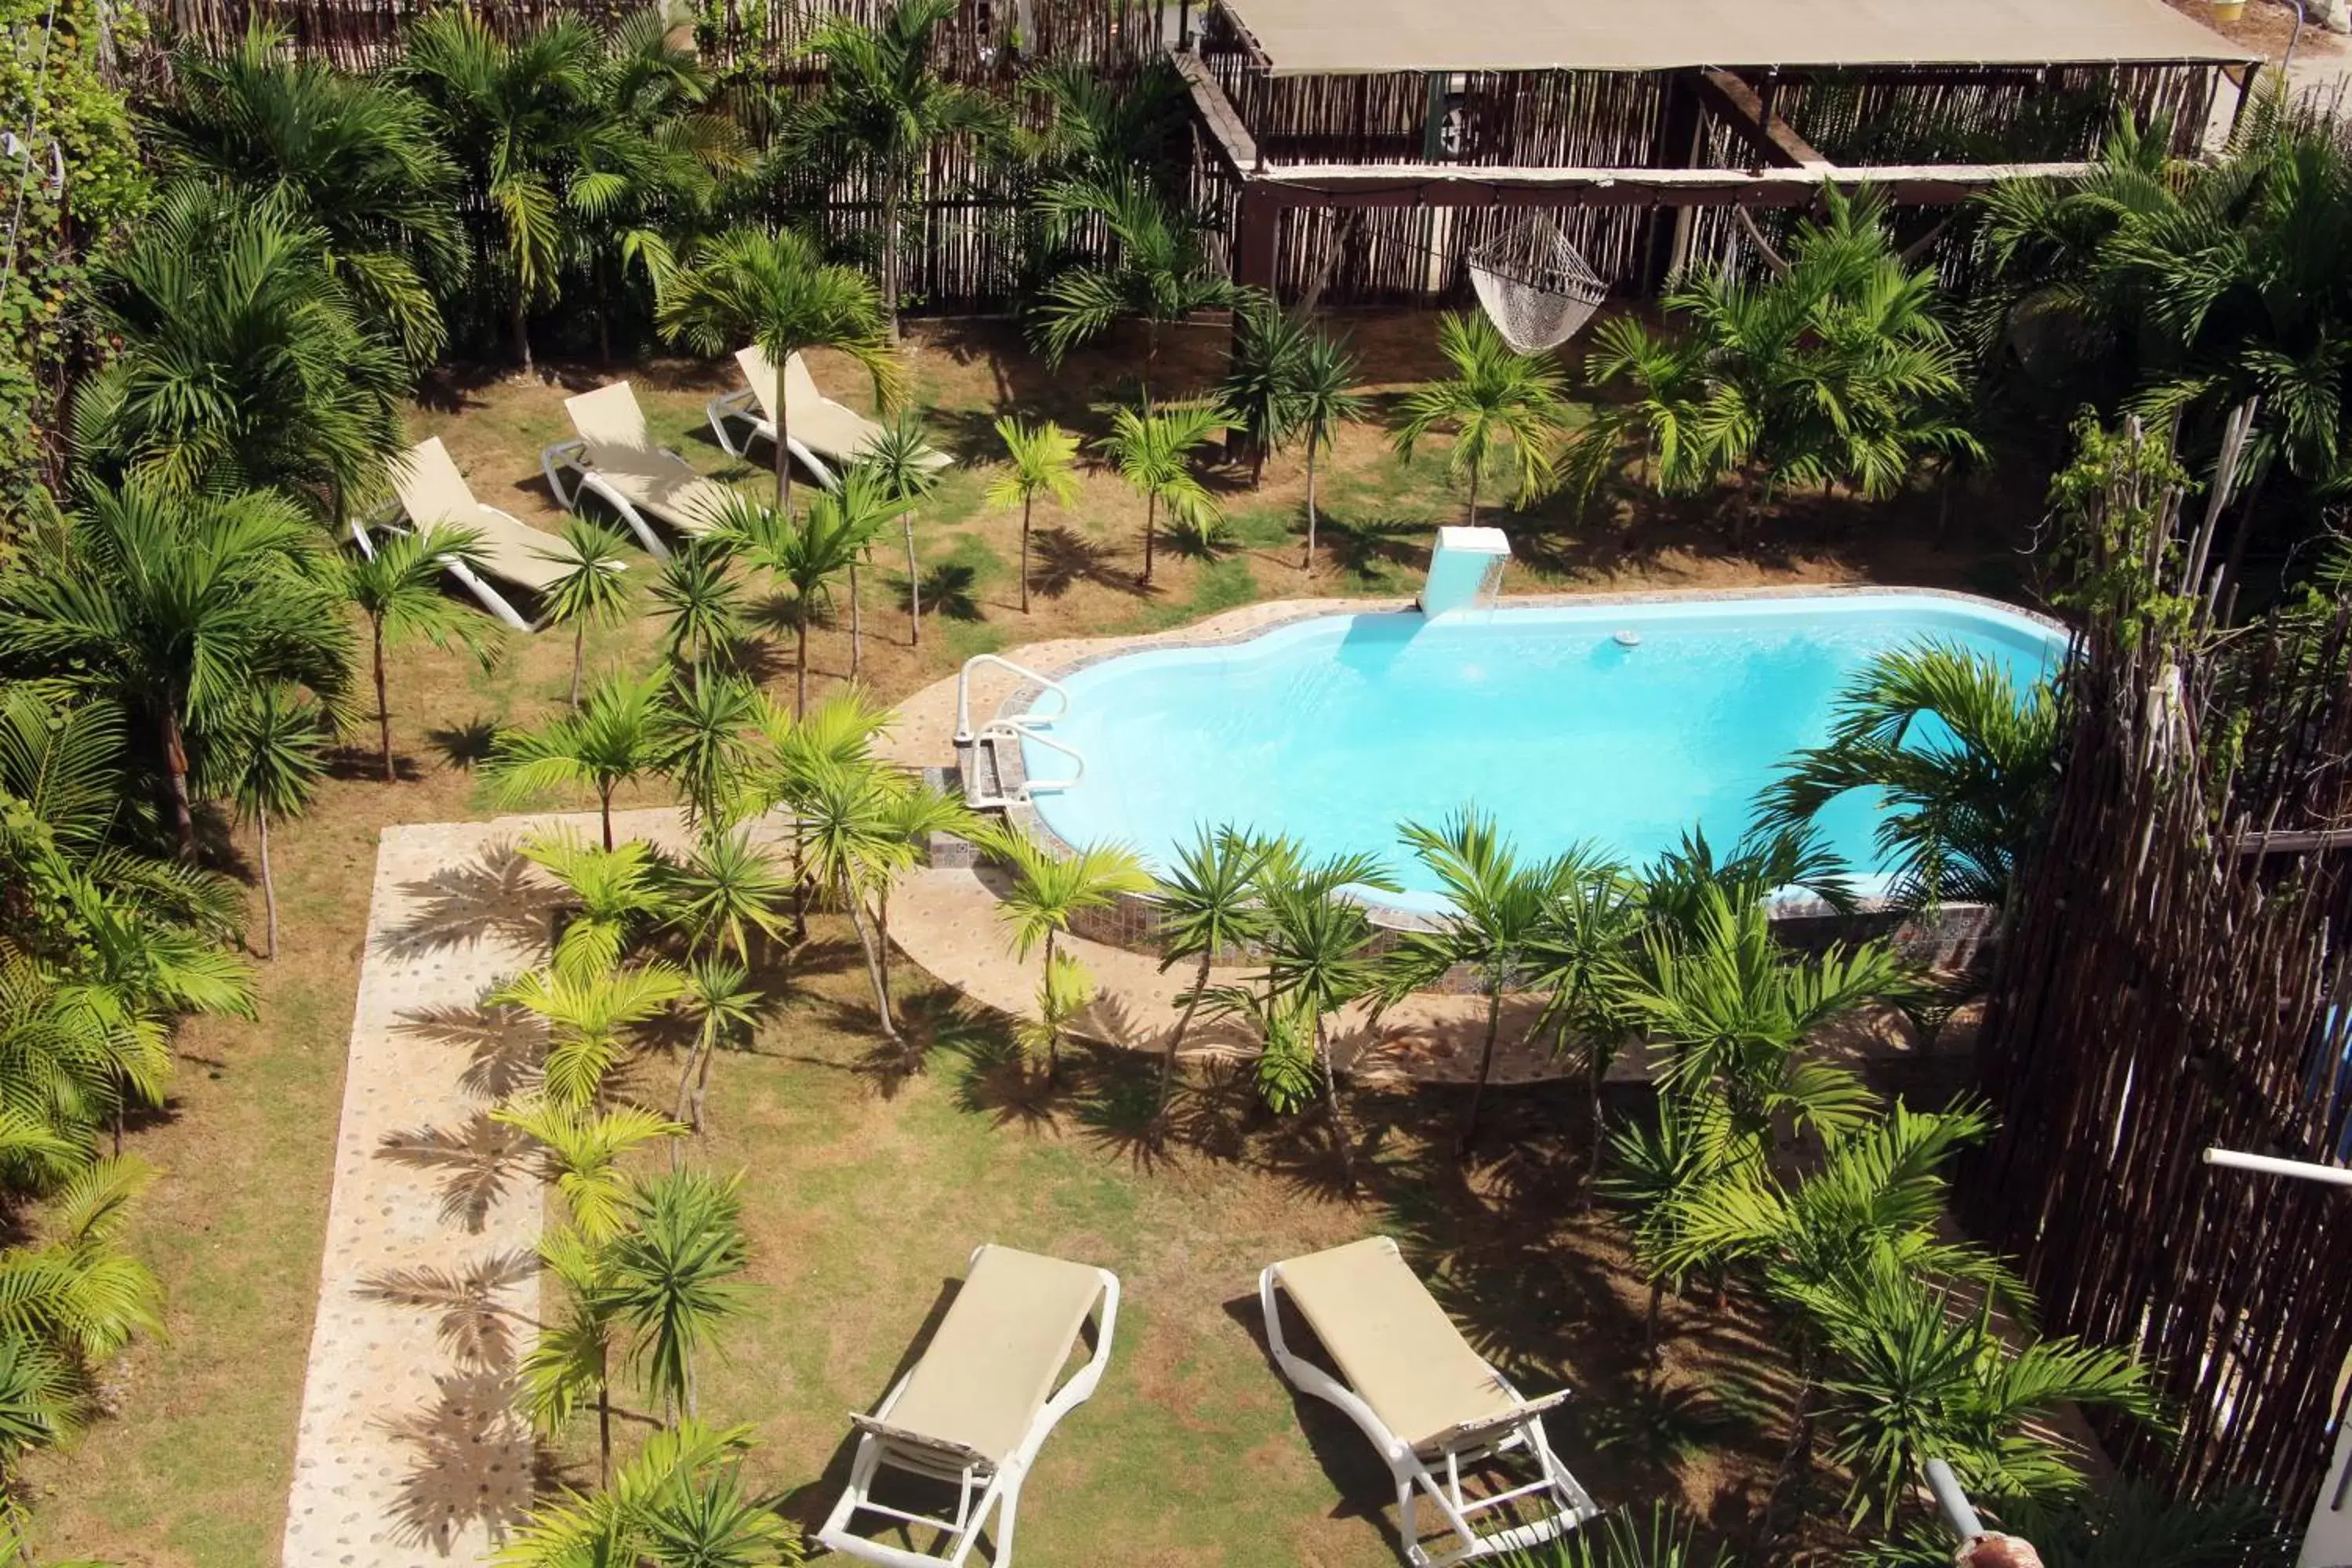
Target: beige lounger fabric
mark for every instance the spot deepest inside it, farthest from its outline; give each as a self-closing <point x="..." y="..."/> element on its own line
<point x="999" y="1352"/>
<point x="1393" y="1343"/>
<point x="622" y="452"/>
<point x="831" y="430"/>
<point x="434" y="493"/>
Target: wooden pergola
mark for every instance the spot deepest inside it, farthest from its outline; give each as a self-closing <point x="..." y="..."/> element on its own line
<point x="1328" y="126"/>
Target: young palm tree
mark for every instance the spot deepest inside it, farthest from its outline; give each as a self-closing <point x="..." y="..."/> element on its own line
<point x="592" y="590"/>
<point x="1577" y="963"/>
<point x="1657" y="1166"/>
<point x="397" y="584"/>
<point x="725" y="1006"/>
<point x="774" y="288"/>
<point x="269" y="762"/>
<point x="517" y="117"/>
<point x="1049" y="889"/>
<point x="847" y="834"/>
<point x="1162" y="274"/>
<point x="570" y="1363"/>
<point x="245" y="363"/>
<point x="1042" y="460"/>
<point x="905" y="468"/>
<point x="680" y="1500"/>
<point x="612" y="741"/>
<point x="726" y="894"/>
<point x="615" y="897"/>
<point x="710" y="737"/>
<point x="884" y="108"/>
<point x="356" y="156"/>
<point x="1208" y="906"/>
<point x="1318" y="960"/>
<point x="1963" y="763"/>
<point x="588" y="1017"/>
<point x="701" y="604"/>
<point x="1501" y="404"/>
<point x="74" y="1290"/>
<point x="1260" y="389"/>
<point x="672" y="1277"/>
<point x="1152" y="451"/>
<point x="39" y="1404"/>
<point x="916" y="813"/>
<point x="584" y="1152"/>
<point x="1500" y="911"/>
<point x="1324" y="398"/>
<point x="1662" y="415"/>
<point x="176" y="607"/>
<point x="1064" y="992"/>
<point x="808" y="554"/>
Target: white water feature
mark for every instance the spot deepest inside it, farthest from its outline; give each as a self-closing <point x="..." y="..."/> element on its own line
<point x="1466" y="571"/>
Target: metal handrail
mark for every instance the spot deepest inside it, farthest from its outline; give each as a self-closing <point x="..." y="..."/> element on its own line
<point x="963" y="734"/>
<point x="1029" y="785"/>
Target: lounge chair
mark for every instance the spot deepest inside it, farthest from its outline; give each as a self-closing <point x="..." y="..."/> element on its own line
<point x="1429" y="1402"/>
<point x="615" y="457"/>
<point x="433" y="494"/>
<point x="978" y="1406"/>
<point x="822" y="434"/>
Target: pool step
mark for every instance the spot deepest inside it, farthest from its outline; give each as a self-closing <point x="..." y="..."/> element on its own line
<point x="984" y="771"/>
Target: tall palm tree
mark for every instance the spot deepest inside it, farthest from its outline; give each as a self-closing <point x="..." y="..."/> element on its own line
<point x="245" y="362"/>
<point x="1502" y="406"/>
<point x="592" y="589"/>
<point x="356" y="156"/>
<point x="588" y="1017"/>
<point x="1577" y="963"/>
<point x="1962" y="761"/>
<point x="1160" y="273"/>
<point x="774" y="288"/>
<point x="176" y="607"/>
<point x="905" y="468"/>
<point x="810" y="554"/>
<point x="519" y="117"/>
<point x="884" y="108"/>
<point x="1152" y="452"/>
<point x="396" y="583"/>
<point x="1500" y="910"/>
<point x="672" y="1277"/>
<point x="612" y="741"/>
<point x="1324" y="398"/>
<point x="1208" y="906"/>
<point x="1050" y="889"/>
<point x="268" y="761"/>
<point x="1041" y="459"/>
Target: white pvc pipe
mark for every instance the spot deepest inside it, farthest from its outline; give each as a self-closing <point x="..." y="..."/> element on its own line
<point x="2270" y="1165"/>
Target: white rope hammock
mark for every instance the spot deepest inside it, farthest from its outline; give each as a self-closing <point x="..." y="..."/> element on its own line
<point x="1537" y="287"/>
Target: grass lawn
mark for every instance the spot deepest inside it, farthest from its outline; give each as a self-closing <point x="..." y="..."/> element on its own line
<point x="864" y="1201"/>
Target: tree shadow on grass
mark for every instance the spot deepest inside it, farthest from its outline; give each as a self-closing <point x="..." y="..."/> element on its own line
<point x="1373" y="546"/>
<point x="497" y="893"/>
<point x="1060" y="558"/>
<point x="948" y="592"/>
<point x="465" y="745"/>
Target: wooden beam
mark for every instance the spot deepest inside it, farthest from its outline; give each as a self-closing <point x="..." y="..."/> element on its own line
<point x="1465" y="185"/>
<point x="1232" y="139"/>
<point x="1739" y="106"/>
<point x="2300" y="842"/>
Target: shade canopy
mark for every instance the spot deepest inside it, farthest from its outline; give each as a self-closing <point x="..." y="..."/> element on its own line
<point x="1336" y="37"/>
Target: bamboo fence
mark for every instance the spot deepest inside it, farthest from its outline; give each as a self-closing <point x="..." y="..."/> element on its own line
<point x="2169" y="985"/>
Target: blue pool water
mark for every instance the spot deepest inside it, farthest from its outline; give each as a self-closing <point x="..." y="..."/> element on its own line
<point x="1337" y="728"/>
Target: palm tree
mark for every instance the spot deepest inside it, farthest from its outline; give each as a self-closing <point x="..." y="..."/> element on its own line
<point x="671" y="1278"/>
<point x="1501" y="404"/>
<point x="355" y="156"/>
<point x="1162" y="274"/>
<point x="40" y="1403"/>
<point x="1150" y="451"/>
<point x="518" y="116"/>
<point x="905" y="468"/>
<point x="1261" y="381"/>
<point x="1663" y="413"/>
<point x="1318" y="960"/>
<point x="74" y="1290"/>
<point x="1577" y="962"/>
<point x="843" y="817"/>
<point x="1324" y="398"/>
<point x="1499" y="911"/>
<point x="584" y="1151"/>
<point x="701" y="604"/>
<point x="592" y="589"/>
<point x="615" y="896"/>
<point x="808" y="554"/>
<point x="396" y="583"/>
<point x="612" y="741"/>
<point x="244" y="361"/>
<point x="1064" y="992"/>
<point x="1963" y="763"/>
<point x="1208" y="906"/>
<point x="176" y="607"/>
<point x="882" y="106"/>
<point x="588" y="1017"/>
<point x="269" y="762"/>
<point x="709" y="739"/>
<point x="570" y="1362"/>
<point x="774" y="289"/>
<point x="1042" y="460"/>
<point x="1049" y="889"/>
<point x="727" y="892"/>
<point x="725" y="1006"/>
<point x="915" y="814"/>
<point x="680" y="1500"/>
<point x="1655" y="1168"/>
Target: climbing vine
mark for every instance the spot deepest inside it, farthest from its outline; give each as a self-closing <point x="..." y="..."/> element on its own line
<point x="69" y="182"/>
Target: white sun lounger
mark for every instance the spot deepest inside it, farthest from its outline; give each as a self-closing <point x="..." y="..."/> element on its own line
<point x="978" y="1406"/>
<point x="615" y="457"/>
<point x="822" y="434"/>
<point x="1429" y="1402"/>
<point x="433" y="494"/>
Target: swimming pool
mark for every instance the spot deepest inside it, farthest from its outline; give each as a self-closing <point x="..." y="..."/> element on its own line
<point x="1336" y="728"/>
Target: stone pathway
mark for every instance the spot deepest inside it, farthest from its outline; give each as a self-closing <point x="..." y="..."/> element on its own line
<point x="408" y="1454"/>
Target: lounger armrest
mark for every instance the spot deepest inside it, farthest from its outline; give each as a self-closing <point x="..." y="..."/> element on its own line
<point x="555" y="458"/>
<point x="1464" y="1435"/>
<point x="950" y="1454"/>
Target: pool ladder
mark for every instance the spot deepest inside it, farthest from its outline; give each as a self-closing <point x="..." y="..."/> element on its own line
<point x="982" y="751"/>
